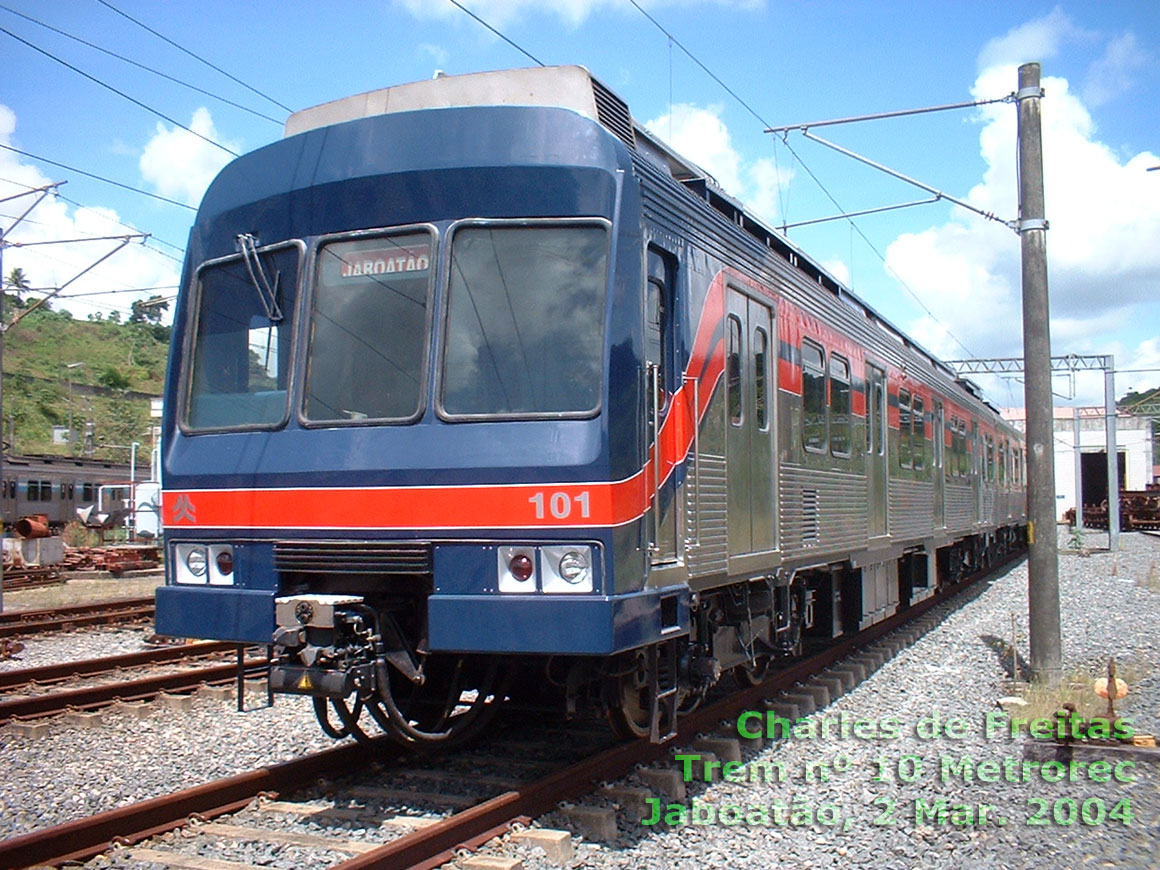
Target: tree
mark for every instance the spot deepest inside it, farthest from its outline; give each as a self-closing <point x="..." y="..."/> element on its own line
<point x="17" y="281"/>
<point x="149" y="310"/>
<point x="114" y="379"/>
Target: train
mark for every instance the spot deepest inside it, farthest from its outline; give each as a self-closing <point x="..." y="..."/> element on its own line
<point x="55" y="487"/>
<point x="479" y="392"/>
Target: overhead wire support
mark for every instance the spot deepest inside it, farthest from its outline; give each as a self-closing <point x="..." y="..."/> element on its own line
<point x="864" y="212"/>
<point x="899" y="113"/>
<point x="124" y="240"/>
<point x="1014" y="225"/>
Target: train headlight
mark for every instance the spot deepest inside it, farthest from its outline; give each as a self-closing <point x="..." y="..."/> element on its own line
<point x="567" y="568"/>
<point x="195" y="562"/>
<point x="190" y="563"/>
<point x="573" y="566"/>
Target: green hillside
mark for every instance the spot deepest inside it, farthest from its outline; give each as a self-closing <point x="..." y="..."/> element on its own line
<point x="119" y="363"/>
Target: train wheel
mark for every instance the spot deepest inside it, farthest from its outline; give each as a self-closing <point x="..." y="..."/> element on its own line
<point x="454" y="703"/>
<point x="629" y="701"/>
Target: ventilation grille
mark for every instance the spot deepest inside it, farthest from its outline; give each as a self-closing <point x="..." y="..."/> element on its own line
<point x="353" y="557"/>
<point x="810" y="531"/>
<point x="613" y="114"/>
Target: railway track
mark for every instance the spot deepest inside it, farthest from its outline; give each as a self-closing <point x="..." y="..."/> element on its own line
<point x="425" y="828"/>
<point x="27" y="622"/>
<point x="57" y="700"/>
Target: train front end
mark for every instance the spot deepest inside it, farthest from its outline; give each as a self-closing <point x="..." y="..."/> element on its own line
<point x="404" y="437"/>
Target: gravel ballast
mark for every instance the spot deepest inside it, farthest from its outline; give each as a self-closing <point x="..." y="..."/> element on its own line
<point x="957" y="670"/>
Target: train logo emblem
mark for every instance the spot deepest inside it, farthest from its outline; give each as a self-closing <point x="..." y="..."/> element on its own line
<point x="183" y="510"/>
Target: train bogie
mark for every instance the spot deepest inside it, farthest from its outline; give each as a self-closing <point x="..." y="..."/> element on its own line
<point x="503" y="385"/>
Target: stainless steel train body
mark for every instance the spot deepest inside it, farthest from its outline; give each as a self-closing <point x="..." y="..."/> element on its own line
<point x="55" y="486"/>
<point x="475" y="374"/>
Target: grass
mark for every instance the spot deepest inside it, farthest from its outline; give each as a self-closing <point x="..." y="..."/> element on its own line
<point x="1044" y="701"/>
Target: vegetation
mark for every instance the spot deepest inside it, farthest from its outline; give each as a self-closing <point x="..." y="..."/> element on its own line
<point x="107" y="363"/>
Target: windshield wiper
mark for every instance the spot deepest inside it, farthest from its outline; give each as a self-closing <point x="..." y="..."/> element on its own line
<point x="267" y="291"/>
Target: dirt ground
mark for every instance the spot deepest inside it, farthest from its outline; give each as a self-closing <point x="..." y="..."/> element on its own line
<point x="78" y="590"/>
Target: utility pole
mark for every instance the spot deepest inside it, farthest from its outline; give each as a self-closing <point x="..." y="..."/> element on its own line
<point x="1043" y="561"/>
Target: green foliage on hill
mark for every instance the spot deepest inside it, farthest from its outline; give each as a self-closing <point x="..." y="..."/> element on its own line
<point x="1146" y="403"/>
<point x="40" y="353"/>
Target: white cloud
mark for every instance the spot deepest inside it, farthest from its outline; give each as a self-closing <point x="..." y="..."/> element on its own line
<point x="180" y="165"/>
<point x="1037" y="40"/>
<point x="700" y="135"/>
<point x="52" y="265"/>
<point x="1103" y="259"/>
<point x="1112" y="74"/>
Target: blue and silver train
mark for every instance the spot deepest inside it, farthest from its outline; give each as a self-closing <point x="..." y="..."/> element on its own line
<point x="478" y="391"/>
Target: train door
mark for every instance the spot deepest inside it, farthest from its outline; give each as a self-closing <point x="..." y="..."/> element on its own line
<point x="938" y="461"/>
<point x="877" y="470"/>
<point x="749" y="344"/>
<point x="659" y="351"/>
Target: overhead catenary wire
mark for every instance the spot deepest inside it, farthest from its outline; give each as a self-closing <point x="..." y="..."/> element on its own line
<point x="195" y="56"/>
<point x="509" y="41"/>
<point x="117" y="91"/>
<point x="96" y="177"/>
<point x="139" y="65"/>
<point x="766" y="125"/>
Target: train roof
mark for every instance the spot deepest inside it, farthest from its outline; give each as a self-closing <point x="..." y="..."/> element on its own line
<point x="575" y="88"/>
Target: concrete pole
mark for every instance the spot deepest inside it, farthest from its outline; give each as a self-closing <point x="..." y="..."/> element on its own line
<point x="1043" y="561"/>
<point x="1078" y="471"/>
<point x="1113" y="456"/>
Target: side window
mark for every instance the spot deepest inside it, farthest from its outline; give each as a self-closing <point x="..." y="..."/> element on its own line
<point x="86" y="492"/>
<point x="904" y="459"/>
<point x="918" y="434"/>
<point x="841" y="440"/>
<point x="813" y="397"/>
<point x="658" y="319"/>
<point x="733" y="371"/>
<point x="990" y="459"/>
<point x="761" y="378"/>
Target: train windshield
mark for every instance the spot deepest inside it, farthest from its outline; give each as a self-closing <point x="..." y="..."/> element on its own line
<point x="525" y="320"/>
<point x="241" y="348"/>
<point x="369" y="328"/>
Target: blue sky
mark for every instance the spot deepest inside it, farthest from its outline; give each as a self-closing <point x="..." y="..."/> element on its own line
<point x="946" y="276"/>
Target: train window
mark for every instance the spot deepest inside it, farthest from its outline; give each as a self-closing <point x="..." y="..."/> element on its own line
<point x="841" y="437"/>
<point x="240" y="362"/>
<point x="904" y="459"/>
<point x="368" y="329"/>
<point x="72" y="490"/>
<point x="813" y="397"/>
<point x="918" y="434"/>
<point x="990" y="458"/>
<point x="761" y="378"/>
<point x="64" y="490"/>
<point x="525" y="321"/>
<point x="657" y="323"/>
<point x="733" y="371"/>
<point x="87" y="492"/>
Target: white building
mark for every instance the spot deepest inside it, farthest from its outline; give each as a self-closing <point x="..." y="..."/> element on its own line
<point x="1133" y="449"/>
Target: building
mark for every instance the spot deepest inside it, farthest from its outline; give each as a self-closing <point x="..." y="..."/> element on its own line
<point x="1085" y="426"/>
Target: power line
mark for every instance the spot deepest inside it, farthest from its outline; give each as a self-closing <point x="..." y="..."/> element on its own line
<point x="119" y="93"/>
<point x="463" y="8"/>
<point x="149" y="69"/>
<point x="878" y="253"/>
<point x="96" y="177"/>
<point x="196" y="57"/>
<point x="797" y="157"/>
